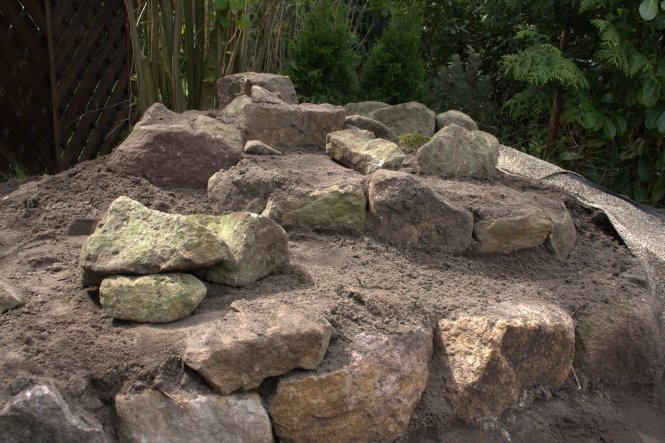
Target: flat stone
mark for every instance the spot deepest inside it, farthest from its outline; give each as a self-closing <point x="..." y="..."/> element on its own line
<point x="159" y="298"/>
<point x="287" y="126"/>
<point x="257" y="246"/>
<point x="372" y="398"/>
<point x="152" y="416"/>
<point x="254" y="343"/>
<point x="407" y="212"/>
<point x="232" y="86"/>
<point x="526" y="230"/>
<point x="406" y="118"/>
<point x="336" y="205"/>
<point x="364" y="108"/>
<point x="456" y="152"/>
<point x="132" y="239"/>
<point x="358" y="151"/>
<point x="492" y="357"/>
<point x="10" y="296"/>
<point x="379" y="129"/>
<point x="255" y="147"/>
<point x="39" y="414"/>
<point x="262" y="95"/>
<point x="177" y="150"/>
<point x="455" y="117"/>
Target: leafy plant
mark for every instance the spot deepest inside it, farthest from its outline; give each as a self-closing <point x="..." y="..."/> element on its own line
<point x="14" y="171"/>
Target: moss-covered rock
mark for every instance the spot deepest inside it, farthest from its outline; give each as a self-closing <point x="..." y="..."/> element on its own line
<point x="412" y="141"/>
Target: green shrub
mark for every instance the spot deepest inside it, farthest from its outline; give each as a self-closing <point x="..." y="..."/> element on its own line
<point x="321" y="61"/>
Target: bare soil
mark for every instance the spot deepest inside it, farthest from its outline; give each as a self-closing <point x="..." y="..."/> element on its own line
<point x="358" y="281"/>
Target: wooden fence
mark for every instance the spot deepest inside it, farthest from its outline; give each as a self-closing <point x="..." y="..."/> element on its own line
<point x="64" y="81"/>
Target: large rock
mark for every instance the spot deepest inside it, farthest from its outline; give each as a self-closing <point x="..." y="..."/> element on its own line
<point x="379" y="129"/>
<point x="356" y="150"/>
<point x="456" y="152"/>
<point x="370" y="399"/>
<point x="232" y="86"/>
<point x="364" y="108"/>
<point x="242" y="188"/>
<point x="406" y="118"/>
<point x="132" y="239"/>
<point x="526" y="230"/>
<point x="10" y="296"/>
<point x="236" y="106"/>
<point x="408" y="212"/>
<point x="257" y="247"/>
<point x="152" y="416"/>
<point x="291" y="126"/>
<point x="159" y="298"/>
<point x="254" y="343"/>
<point x="262" y="95"/>
<point x="455" y="117"/>
<point x="490" y="358"/>
<point x="177" y="150"/>
<point x="336" y="205"/>
<point x="39" y="414"/>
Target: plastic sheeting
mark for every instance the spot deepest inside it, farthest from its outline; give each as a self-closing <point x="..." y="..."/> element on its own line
<point x="641" y="228"/>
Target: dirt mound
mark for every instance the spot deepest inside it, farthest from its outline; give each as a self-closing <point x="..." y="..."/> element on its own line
<point x="362" y="284"/>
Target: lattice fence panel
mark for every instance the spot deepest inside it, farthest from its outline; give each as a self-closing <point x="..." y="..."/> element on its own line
<point x="64" y="80"/>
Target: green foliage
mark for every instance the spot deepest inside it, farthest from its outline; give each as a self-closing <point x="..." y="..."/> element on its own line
<point x="394" y="71"/>
<point x="15" y="171"/>
<point x="412" y="141"/>
<point x="321" y="62"/>
<point x="543" y="64"/>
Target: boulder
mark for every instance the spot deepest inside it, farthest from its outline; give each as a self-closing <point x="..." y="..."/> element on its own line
<point x="177" y="150"/>
<point x="336" y="205"/>
<point x="358" y="150"/>
<point x="407" y="212"/>
<point x="262" y="95"/>
<point x="526" y="230"/>
<point x="285" y="126"/>
<point x="364" y="108"/>
<point x="39" y="414"/>
<point x="232" y="86"/>
<point x="370" y="399"/>
<point x="257" y="247"/>
<point x="490" y="358"/>
<point x="255" y="147"/>
<point x="153" y="416"/>
<point x="406" y="118"/>
<point x="456" y="152"/>
<point x="159" y="298"/>
<point x="256" y="342"/>
<point x="236" y="106"/>
<point x="132" y="239"/>
<point x="10" y="296"/>
<point x="563" y="236"/>
<point x="379" y="129"/>
<point x="242" y="188"/>
<point x="455" y="117"/>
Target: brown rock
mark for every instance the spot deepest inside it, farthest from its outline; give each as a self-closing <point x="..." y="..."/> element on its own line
<point x="526" y="230"/>
<point x="407" y="212"/>
<point x="379" y="129"/>
<point x="370" y="399"/>
<point x="262" y="95"/>
<point x="359" y="150"/>
<point x="406" y="118"/>
<point x="10" y="296"/>
<point x="254" y="343"/>
<point x="242" y="188"/>
<point x="489" y="359"/>
<point x="232" y="86"/>
<point x="177" y="150"/>
<point x="291" y="126"/>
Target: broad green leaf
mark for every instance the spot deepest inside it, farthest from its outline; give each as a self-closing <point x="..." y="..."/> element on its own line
<point x="243" y="22"/>
<point x="621" y="124"/>
<point x="640" y="193"/>
<point x="608" y="128"/>
<point x="224" y="22"/>
<point x="650" y="92"/>
<point x="649" y="9"/>
<point x="650" y="122"/>
<point x="658" y="190"/>
<point x="660" y="123"/>
<point x="221" y="4"/>
<point x="236" y="5"/>
<point x="662" y="5"/>
<point x="570" y="156"/>
<point x="645" y="169"/>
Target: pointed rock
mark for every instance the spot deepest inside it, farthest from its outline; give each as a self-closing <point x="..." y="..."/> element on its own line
<point x="356" y="150"/>
<point x="39" y="414"/>
<point x="10" y="296"/>
<point x="407" y="212"/>
<point x="456" y="152"/>
<point x="370" y="399"/>
<point x="132" y="239"/>
<point x="255" y="147"/>
<point x="379" y="129"/>
<point x="254" y="343"/>
<point x="489" y="359"/>
<point x="257" y="247"/>
<point x="158" y="298"/>
<point x="262" y="95"/>
<point x="455" y="117"/>
<point x="152" y="416"/>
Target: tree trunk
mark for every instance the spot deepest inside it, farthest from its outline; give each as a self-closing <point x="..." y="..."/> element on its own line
<point x="555" y="114"/>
